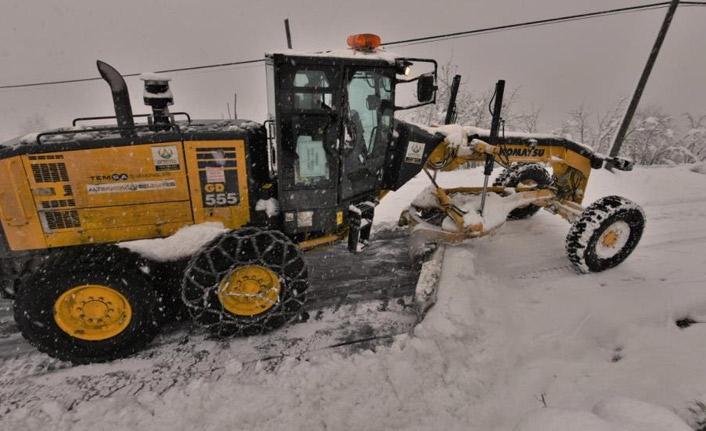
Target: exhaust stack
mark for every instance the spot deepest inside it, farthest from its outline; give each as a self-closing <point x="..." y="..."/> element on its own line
<point x="121" y="97"/>
<point x="158" y="95"/>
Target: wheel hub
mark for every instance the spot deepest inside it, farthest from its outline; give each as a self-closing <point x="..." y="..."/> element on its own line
<point x="249" y="290"/>
<point x="610" y="238"/>
<point x="613" y="239"/>
<point x="92" y="312"/>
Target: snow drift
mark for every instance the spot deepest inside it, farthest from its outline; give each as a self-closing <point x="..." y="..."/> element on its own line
<point x="514" y="328"/>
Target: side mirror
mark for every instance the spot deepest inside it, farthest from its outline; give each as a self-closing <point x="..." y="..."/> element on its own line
<point x="426" y="89"/>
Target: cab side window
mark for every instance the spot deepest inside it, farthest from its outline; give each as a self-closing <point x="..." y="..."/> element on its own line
<point x="312" y="90"/>
<point x="310" y="132"/>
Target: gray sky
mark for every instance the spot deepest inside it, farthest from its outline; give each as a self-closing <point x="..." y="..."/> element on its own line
<point x="558" y="67"/>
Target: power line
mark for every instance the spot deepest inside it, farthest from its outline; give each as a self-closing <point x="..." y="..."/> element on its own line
<point x="589" y="15"/>
<point x="128" y="75"/>
<point x="425" y="39"/>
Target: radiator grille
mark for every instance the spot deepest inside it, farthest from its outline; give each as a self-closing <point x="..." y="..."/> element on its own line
<point x="49" y="157"/>
<point x="58" y="204"/>
<point x="49" y="172"/>
<point x="62" y="219"/>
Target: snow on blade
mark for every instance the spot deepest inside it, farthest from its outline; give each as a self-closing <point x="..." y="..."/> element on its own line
<point x="427" y="288"/>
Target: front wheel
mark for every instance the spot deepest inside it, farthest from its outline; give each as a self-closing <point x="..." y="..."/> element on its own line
<point x="605" y="234"/>
<point x="527" y="175"/>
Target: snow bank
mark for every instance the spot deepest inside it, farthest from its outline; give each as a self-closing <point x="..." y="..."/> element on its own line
<point x="639" y="416"/>
<point x="563" y="420"/>
<point x="513" y="324"/>
<point x="699" y="169"/>
<point x="421" y="382"/>
<point x="611" y="414"/>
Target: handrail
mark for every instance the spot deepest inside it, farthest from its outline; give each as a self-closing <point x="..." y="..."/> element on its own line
<point x="110" y="117"/>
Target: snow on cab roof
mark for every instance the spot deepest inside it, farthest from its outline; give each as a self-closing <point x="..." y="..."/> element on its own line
<point x="377" y="54"/>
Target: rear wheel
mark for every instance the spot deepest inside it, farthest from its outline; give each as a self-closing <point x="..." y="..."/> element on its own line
<point x="14" y="270"/>
<point x="605" y="234"/>
<point x="87" y="306"/>
<point x="245" y="282"/>
<point x="527" y="175"/>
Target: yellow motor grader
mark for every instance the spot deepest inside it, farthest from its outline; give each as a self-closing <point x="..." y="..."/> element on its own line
<point x="309" y="176"/>
<point x="601" y="236"/>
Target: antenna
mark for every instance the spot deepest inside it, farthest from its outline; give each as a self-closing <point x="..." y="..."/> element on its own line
<point x="289" y="35"/>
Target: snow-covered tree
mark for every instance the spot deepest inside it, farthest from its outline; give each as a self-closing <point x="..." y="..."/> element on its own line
<point x="694" y="140"/>
<point x="473" y="108"/>
<point x="654" y="137"/>
<point x="650" y="138"/>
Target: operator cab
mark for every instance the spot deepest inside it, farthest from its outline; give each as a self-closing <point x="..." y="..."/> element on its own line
<point x="330" y="127"/>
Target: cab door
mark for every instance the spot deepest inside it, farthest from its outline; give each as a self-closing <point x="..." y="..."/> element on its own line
<point x="368" y="119"/>
<point x="308" y="131"/>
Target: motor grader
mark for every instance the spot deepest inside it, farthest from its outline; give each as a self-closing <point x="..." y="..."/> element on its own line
<point x="310" y="175"/>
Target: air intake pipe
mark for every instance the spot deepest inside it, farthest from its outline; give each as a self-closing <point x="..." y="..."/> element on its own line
<point x="121" y="97"/>
<point x="158" y="96"/>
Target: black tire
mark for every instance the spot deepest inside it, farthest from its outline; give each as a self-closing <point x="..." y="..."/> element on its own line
<point x="584" y="245"/>
<point x="167" y="277"/>
<point x="532" y="173"/>
<point x="105" y="265"/>
<point x="240" y="248"/>
<point x="13" y="270"/>
<point x="10" y="273"/>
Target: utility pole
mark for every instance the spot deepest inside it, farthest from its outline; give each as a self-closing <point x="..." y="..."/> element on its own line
<point x="451" y="109"/>
<point x="620" y="136"/>
<point x="235" y="106"/>
<point x="289" y="35"/>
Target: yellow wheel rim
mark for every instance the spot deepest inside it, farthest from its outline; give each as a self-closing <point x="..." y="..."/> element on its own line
<point x="92" y="312"/>
<point x="610" y="238"/>
<point x="249" y="290"/>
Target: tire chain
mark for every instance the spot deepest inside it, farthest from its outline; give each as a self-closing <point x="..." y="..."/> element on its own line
<point x="217" y="258"/>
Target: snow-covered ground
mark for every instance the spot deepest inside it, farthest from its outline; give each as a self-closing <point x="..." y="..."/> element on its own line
<point x="517" y="340"/>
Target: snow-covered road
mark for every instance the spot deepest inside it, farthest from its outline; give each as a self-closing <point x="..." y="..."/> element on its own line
<point x="514" y="328"/>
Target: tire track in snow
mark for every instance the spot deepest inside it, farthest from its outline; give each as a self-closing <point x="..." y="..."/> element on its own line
<point x="355" y="301"/>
